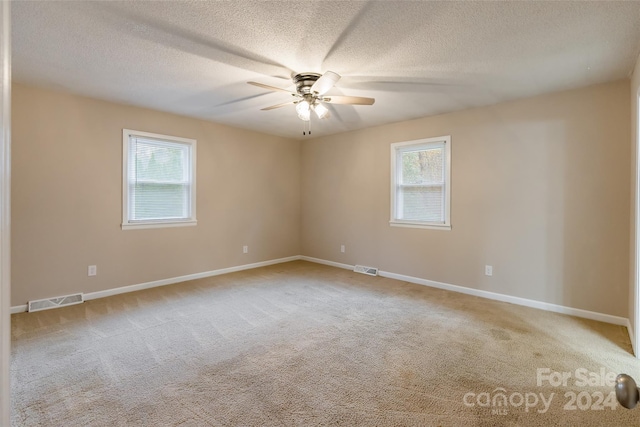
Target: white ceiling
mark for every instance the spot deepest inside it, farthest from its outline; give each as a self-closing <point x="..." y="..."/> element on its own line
<point x="416" y="58"/>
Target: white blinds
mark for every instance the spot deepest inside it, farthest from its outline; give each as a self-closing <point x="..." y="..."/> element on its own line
<point x="420" y="191"/>
<point x="159" y="180"/>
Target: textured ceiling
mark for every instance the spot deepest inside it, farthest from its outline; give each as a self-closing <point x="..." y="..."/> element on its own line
<point x="416" y="58"/>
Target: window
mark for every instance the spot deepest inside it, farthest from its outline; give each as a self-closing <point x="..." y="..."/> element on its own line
<point x="159" y="180"/>
<point x="421" y="183"/>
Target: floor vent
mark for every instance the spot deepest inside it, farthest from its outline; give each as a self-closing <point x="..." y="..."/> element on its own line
<point x="45" y="304"/>
<point x="371" y="271"/>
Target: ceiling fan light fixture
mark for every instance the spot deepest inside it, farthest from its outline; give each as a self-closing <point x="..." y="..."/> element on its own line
<point x="303" y="110"/>
<point x="320" y="110"/>
<point x="310" y="95"/>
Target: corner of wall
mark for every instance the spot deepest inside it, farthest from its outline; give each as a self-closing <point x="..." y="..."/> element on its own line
<point x="635" y="178"/>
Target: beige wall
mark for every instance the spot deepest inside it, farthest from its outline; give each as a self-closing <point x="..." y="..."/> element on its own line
<point x="67" y="198"/>
<point x="635" y="90"/>
<point x="540" y="190"/>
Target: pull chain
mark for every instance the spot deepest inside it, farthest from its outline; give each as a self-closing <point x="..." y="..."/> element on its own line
<point x="304" y="127"/>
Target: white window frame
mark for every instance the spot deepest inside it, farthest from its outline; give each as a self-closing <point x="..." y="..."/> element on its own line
<point x="128" y="224"/>
<point x="415" y="145"/>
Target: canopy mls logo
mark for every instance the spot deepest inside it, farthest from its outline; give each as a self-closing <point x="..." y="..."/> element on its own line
<point x="499" y="402"/>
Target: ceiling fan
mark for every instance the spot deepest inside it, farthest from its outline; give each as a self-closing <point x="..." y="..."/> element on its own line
<point x="310" y="94"/>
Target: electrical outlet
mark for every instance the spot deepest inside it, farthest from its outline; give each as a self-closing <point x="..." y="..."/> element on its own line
<point x="488" y="270"/>
<point x="342" y="249"/>
<point x="92" y="270"/>
<point x="245" y="249"/>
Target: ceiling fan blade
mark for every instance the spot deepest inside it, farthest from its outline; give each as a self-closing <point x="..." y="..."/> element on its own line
<point x="325" y="82"/>
<point x="278" y="105"/>
<point x="273" y="88"/>
<point x="351" y="100"/>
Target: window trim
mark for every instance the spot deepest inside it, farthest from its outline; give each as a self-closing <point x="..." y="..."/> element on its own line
<point x="157" y="223"/>
<point x="397" y="148"/>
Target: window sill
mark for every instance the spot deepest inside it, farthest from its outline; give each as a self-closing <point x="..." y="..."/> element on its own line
<point x="159" y="224"/>
<point x="409" y="224"/>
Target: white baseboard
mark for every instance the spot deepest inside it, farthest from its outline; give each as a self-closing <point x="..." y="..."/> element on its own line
<point x="446" y="286"/>
<point x="170" y="281"/>
<point x="578" y="312"/>
<point x="325" y="262"/>
<point x="607" y="318"/>
<point x="18" y="309"/>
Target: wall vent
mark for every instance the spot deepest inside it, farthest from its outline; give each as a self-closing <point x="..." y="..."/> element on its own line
<point x="371" y="271"/>
<point x="45" y="304"/>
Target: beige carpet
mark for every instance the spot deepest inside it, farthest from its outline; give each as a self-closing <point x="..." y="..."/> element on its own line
<point x="305" y="344"/>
